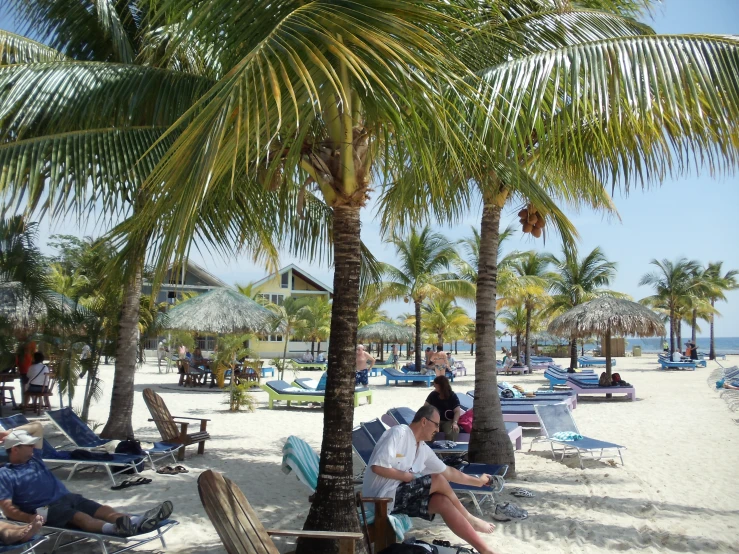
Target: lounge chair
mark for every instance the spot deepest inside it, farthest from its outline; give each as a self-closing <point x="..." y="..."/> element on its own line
<point x="589" y="361"/>
<point x="283" y="391"/>
<point x="313" y="385"/>
<point x="460" y="368"/>
<point x="569" y="398"/>
<point x="486" y="493"/>
<point x="587" y="387"/>
<point x="125" y="544"/>
<point x="167" y="425"/>
<point x="400" y="377"/>
<point x="395" y="416"/>
<point x="121" y="463"/>
<point x="557" y="418"/>
<point x="557" y="377"/>
<point x="308" y="366"/>
<point x="669" y="364"/>
<point x="81" y="436"/>
<point x="508" y="368"/>
<point x="298" y="457"/>
<point x="542" y="359"/>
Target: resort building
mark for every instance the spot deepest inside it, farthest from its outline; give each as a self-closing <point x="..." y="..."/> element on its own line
<point x="290" y="281"/>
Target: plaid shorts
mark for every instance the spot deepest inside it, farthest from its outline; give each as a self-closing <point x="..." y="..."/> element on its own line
<point x="413" y="498"/>
<point x="362" y="378"/>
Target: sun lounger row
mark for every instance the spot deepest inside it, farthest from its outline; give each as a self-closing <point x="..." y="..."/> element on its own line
<point x="392" y="375"/>
<point x="589" y="361"/>
<point x="282" y="391"/>
<point x="557" y="376"/>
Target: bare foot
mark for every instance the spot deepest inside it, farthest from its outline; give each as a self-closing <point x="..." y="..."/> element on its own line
<point x="480" y="525"/>
<point x="12" y="534"/>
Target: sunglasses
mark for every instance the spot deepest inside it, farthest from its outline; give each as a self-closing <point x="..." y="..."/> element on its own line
<point x="436" y="423"/>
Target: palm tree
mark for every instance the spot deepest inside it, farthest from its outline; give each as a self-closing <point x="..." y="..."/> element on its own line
<point x="515" y="320"/>
<point x="423" y="273"/>
<point x="577" y="280"/>
<point x="316" y="314"/>
<point x="529" y="289"/>
<point x="717" y="284"/>
<point x="443" y="319"/>
<point x="672" y="283"/>
<point x="289" y="322"/>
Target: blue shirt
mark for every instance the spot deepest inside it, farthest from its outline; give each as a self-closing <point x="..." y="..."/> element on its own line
<point x="31" y="485"/>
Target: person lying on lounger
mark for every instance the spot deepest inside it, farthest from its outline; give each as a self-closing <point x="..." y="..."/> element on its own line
<point x="27" y="487"/>
<point x="404" y="468"/>
<point x="734" y="385"/>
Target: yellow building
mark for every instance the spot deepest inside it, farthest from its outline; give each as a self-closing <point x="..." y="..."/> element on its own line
<point x="290" y="281"/>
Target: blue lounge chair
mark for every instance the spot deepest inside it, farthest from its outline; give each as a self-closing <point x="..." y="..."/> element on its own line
<point x="569" y="397"/>
<point x="28" y="547"/>
<point x="557" y="377"/>
<point x="558" y="424"/>
<point x="588" y="387"/>
<point x="669" y="364"/>
<point x="589" y="361"/>
<point x="81" y="436"/>
<point x="400" y="377"/>
<point x="298" y="457"/>
<point x="120" y="462"/>
<point x="487" y="493"/>
<point x="124" y="544"/>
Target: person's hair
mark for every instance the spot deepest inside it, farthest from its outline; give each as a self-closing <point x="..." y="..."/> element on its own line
<point x="38" y="358"/>
<point x="439" y="348"/>
<point x="444" y="385"/>
<point x="428" y="348"/>
<point x="425" y="411"/>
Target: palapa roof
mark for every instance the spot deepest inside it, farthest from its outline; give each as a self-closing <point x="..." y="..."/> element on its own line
<point x="386" y="332"/>
<point x="608" y="315"/>
<point x="220" y="311"/>
<point x="23" y="311"/>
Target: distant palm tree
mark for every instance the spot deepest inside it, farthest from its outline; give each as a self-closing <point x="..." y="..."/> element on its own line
<point x="672" y="283"/>
<point x="424" y="272"/>
<point x="249" y="290"/>
<point x="316" y="315"/>
<point x="718" y="284"/>
<point x="577" y="280"/>
<point x="529" y="288"/>
<point x="515" y="321"/>
<point x="443" y="319"/>
<point x="289" y="322"/>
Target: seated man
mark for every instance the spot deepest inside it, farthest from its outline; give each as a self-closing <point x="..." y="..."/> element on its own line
<point x="28" y="487"/>
<point x="307" y="357"/>
<point x="320" y="357"/>
<point x="403" y="467"/>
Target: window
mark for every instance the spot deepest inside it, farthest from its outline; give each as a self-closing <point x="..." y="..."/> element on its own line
<point x="277" y="299"/>
<point x="285" y="280"/>
<point x="274" y="338"/>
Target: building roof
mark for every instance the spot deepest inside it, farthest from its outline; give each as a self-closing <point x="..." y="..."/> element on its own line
<point x="301" y="273"/>
<point x="208" y="278"/>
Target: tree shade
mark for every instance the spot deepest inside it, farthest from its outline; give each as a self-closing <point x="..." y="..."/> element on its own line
<point x="222" y="311"/>
<point x="386" y="332"/>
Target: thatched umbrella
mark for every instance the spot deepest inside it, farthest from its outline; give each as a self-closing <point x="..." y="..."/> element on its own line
<point x="607" y="316"/>
<point x="23" y="311"/>
<point x="385" y="332"/>
<point x="220" y="311"/>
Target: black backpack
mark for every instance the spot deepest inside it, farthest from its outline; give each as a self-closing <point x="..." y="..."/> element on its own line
<point x="131" y="447"/>
<point x="416" y="547"/>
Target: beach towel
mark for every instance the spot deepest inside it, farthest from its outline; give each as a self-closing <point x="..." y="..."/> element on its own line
<point x="567" y="436"/>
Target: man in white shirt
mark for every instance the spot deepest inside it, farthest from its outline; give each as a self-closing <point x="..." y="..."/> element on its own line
<point x="404" y="468"/>
<point x="677" y="356"/>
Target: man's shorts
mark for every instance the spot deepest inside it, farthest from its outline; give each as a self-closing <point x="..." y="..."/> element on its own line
<point x="62" y="511"/>
<point x="413" y="498"/>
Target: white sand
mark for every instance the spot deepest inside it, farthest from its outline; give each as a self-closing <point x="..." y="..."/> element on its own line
<point x="679" y="489"/>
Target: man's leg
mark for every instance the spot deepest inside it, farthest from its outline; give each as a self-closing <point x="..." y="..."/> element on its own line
<point x="439" y="485"/>
<point x="12" y="534"/>
<point x="457" y="523"/>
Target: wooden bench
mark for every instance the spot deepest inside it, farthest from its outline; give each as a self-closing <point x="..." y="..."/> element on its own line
<point x="167" y="425"/>
<point x="239" y="527"/>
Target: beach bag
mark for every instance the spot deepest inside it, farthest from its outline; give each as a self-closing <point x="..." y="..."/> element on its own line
<point x="615" y="378"/>
<point x="603" y="380"/>
<point x="507" y="393"/>
<point x="465" y="421"/>
<point x="133" y="448"/>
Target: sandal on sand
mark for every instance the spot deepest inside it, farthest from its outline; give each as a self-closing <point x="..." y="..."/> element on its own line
<point x="167" y="470"/>
<point x="510" y="510"/>
<point x="522" y="493"/>
<point x="181" y="469"/>
<point x="131" y="483"/>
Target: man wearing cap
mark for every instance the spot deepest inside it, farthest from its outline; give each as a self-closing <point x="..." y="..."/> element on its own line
<point x="27" y="487"/>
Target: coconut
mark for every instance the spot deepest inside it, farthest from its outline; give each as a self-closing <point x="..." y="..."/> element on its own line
<point x="523" y="213"/>
<point x="533" y="218"/>
<point x="540" y="222"/>
<point x="527" y="228"/>
<point x="536" y="231"/>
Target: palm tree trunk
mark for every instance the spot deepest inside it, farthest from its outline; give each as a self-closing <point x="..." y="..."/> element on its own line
<point x="679" y="333"/>
<point x="528" y="336"/>
<point x="333" y="507"/>
<point x="284" y="357"/>
<point x="573" y="353"/>
<point x="489" y="442"/>
<point x="121" y="402"/>
<point x="472" y="349"/>
<point x="672" y="331"/>
<point x="712" y="347"/>
<point x="382" y="351"/>
<point x="417" y="307"/>
<point x="312" y="347"/>
<point x="694" y="325"/>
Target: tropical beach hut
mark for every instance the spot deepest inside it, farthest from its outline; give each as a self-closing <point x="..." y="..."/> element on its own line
<point x="608" y="316"/>
<point x="385" y="332"/>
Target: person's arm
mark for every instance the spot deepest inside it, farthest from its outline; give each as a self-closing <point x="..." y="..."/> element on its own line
<point x="371" y="361"/>
<point x="455" y="476"/>
<point x="457" y="415"/>
<point x="35" y="429"/>
<point x="390" y="473"/>
<point x="11" y="511"/>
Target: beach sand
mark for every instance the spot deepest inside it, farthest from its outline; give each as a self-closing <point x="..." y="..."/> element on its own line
<point x="678" y="491"/>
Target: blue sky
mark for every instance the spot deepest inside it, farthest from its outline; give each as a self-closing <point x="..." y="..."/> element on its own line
<point x="693" y="216"/>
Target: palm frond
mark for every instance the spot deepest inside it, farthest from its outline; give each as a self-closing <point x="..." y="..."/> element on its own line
<point x="16" y="49"/>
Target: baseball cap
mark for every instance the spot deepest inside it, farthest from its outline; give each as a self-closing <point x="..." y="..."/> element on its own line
<point x="19" y="437"/>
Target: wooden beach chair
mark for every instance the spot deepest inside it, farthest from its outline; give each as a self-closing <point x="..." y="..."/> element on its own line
<point x="239" y="527"/>
<point x="167" y="425"/>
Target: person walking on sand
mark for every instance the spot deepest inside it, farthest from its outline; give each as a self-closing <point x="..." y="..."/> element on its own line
<point x="396" y="357"/>
<point x="360" y="367"/>
<point x="404" y="468"/>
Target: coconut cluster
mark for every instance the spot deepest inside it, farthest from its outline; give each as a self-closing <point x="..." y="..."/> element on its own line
<point x="532" y="221"/>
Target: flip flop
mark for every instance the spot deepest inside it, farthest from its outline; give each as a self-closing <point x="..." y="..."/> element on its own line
<point x="131" y="483"/>
<point x="522" y="493"/>
<point x="181" y="469"/>
<point x="167" y="470"/>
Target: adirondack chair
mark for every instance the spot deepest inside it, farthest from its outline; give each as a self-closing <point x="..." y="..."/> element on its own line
<point x="167" y="425"/>
<point x="238" y="525"/>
